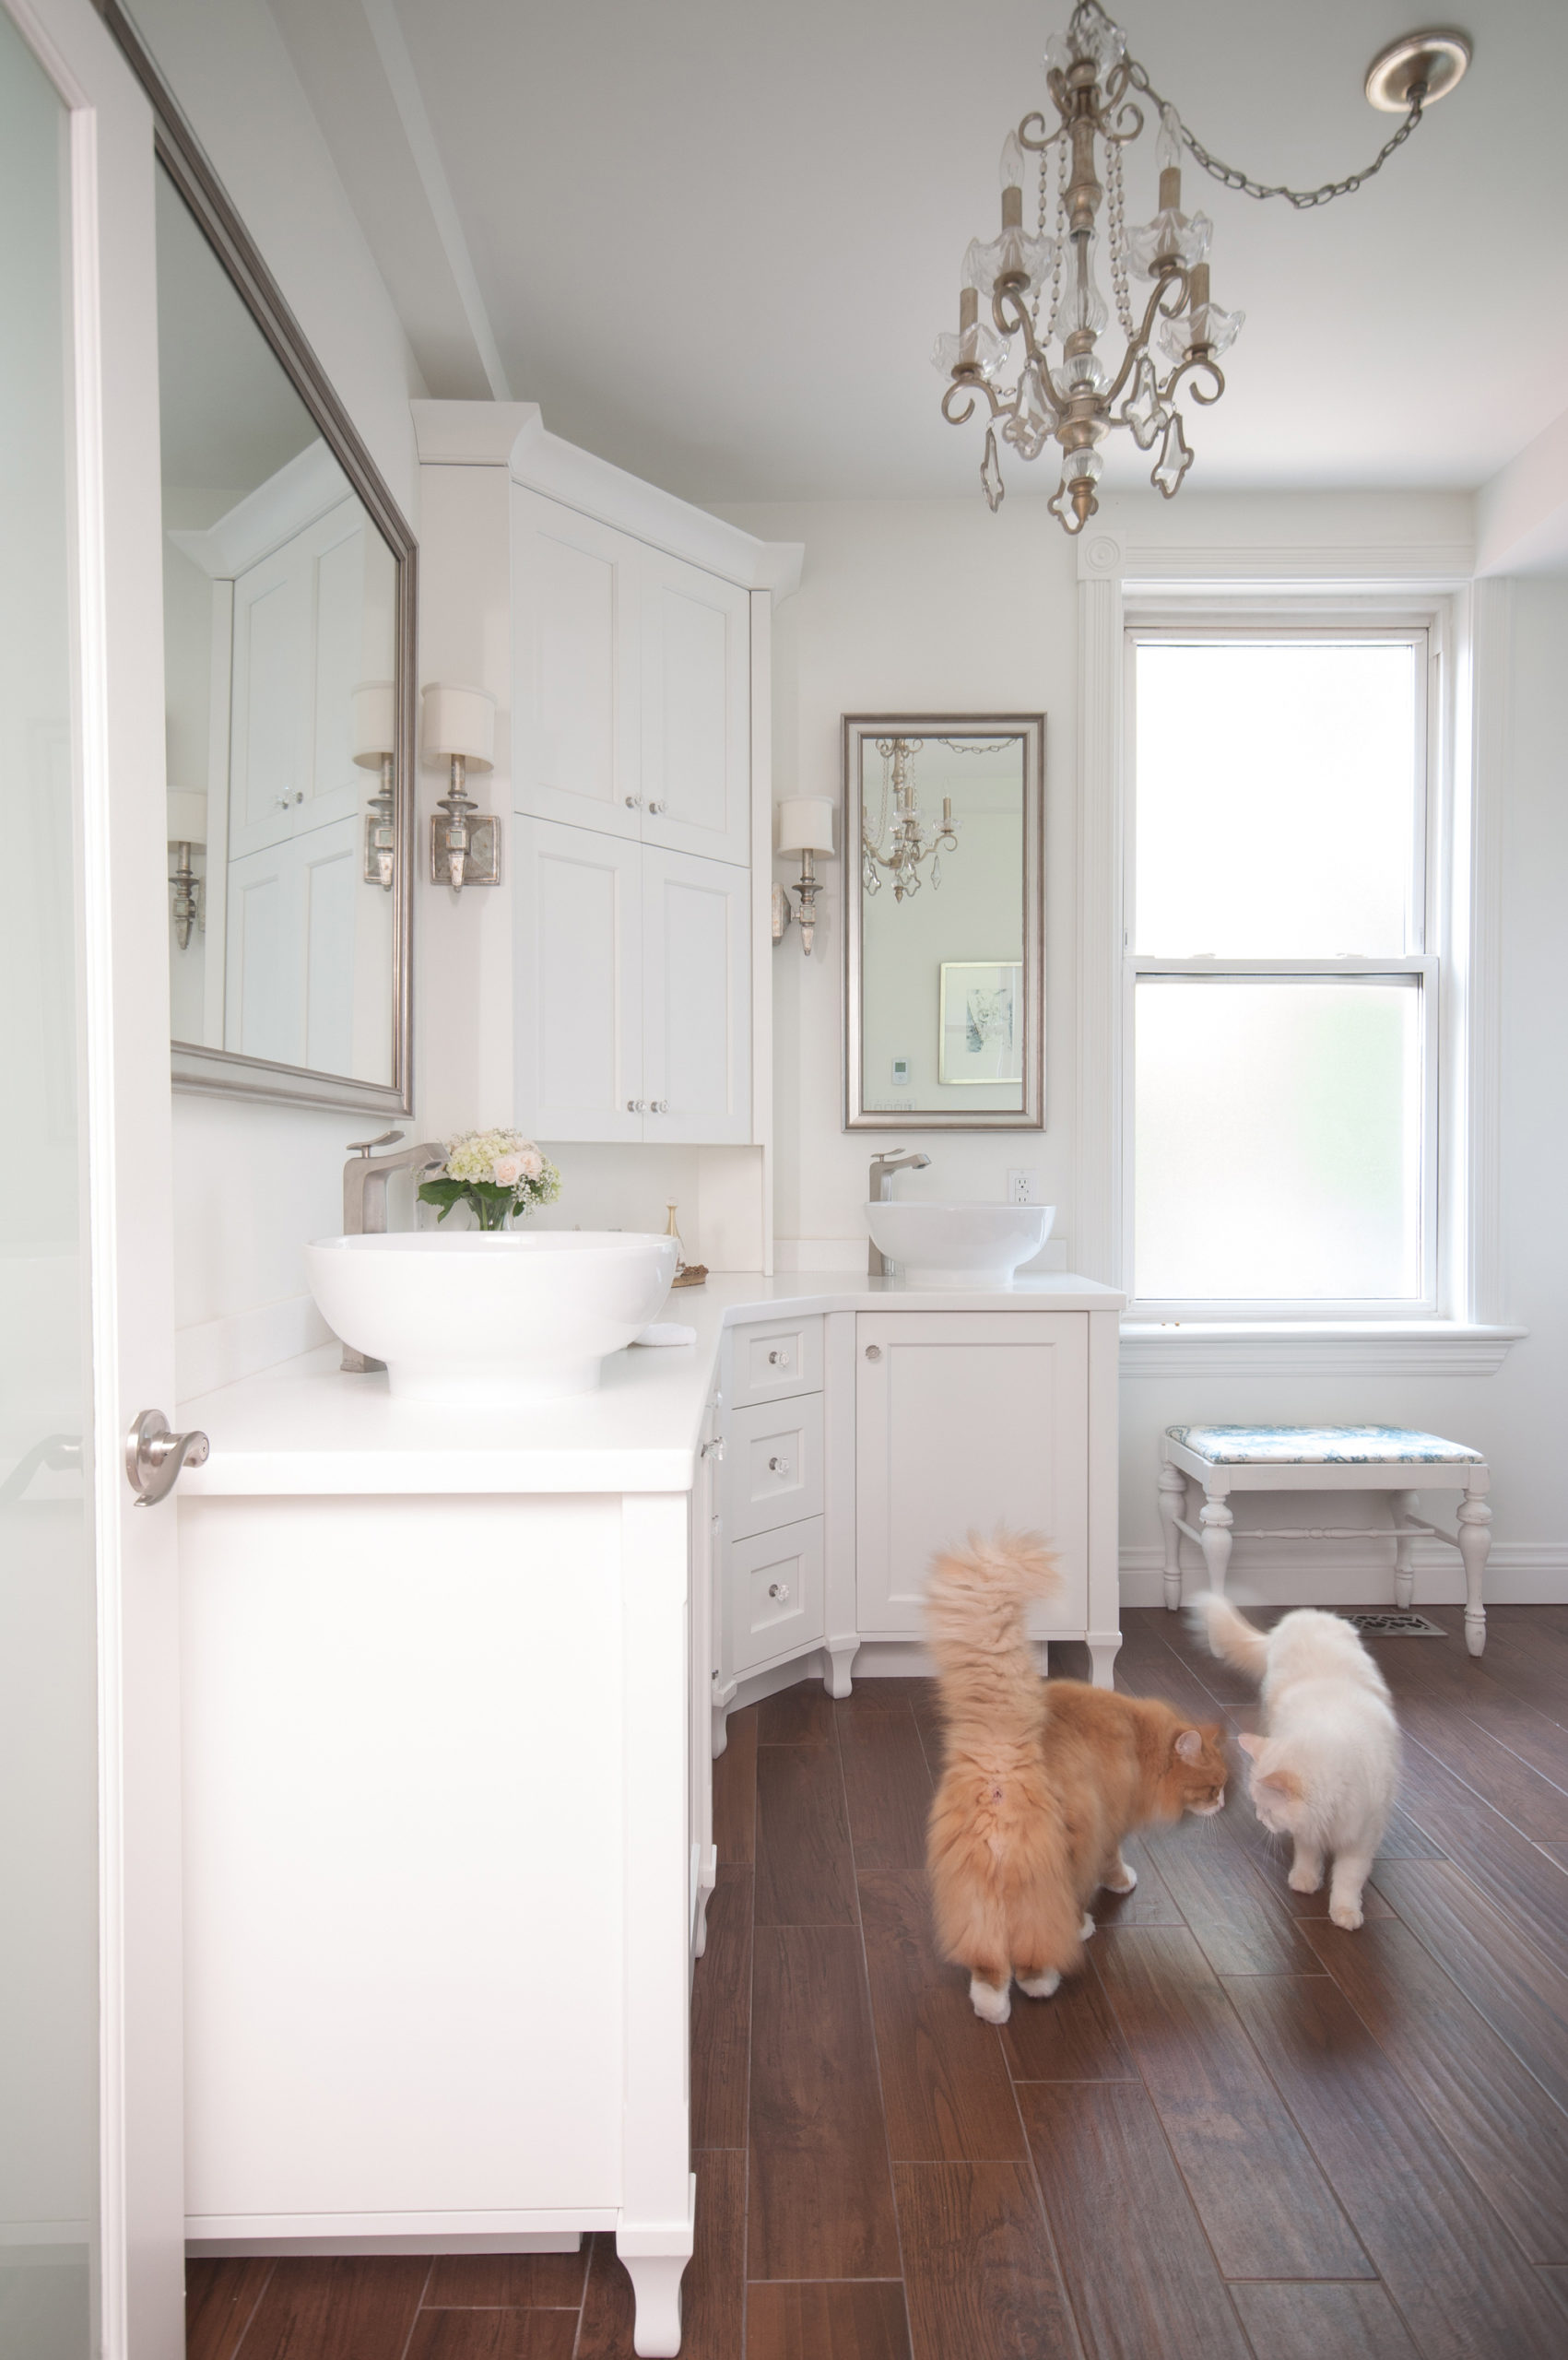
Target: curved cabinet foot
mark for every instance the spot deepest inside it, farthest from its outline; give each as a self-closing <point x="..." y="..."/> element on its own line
<point x="840" y="1658"/>
<point x="1103" y="1649"/>
<point x="655" y="2292"/>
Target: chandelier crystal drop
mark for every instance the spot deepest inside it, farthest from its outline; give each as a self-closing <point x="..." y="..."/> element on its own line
<point x="1035" y="395"/>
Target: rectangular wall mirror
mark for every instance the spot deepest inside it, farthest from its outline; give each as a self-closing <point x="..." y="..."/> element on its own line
<point x="944" y="945"/>
<point x="288" y="636"/>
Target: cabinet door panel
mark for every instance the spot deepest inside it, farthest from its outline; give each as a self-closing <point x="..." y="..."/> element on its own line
<point x="775" y="1465"/>
<point x="268" y="754"/>
<point x="697" y="999"/>
<point x="334" y="786"/>
<point x="696" y="710"/>
<point x="774" y="1606"/>
<point x="966" y="1421"/>
<point x="579" y="984"/>
<point x="578" y="626"/>
<point x="775" y="1358"/>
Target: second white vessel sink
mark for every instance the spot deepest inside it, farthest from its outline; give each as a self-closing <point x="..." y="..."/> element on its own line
<point x="492" y="1322"/>
<point x="959" y="1246"/>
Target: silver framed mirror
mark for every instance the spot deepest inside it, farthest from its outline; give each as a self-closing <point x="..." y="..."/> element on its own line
<point x="289" y="618"/>
<point x="945" y="938"/>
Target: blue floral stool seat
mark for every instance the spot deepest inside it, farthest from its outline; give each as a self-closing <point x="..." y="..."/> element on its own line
<point x="1224" y="1460"/>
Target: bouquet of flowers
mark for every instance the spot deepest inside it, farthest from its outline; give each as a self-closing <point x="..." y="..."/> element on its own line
<point x="496" y="1173"/>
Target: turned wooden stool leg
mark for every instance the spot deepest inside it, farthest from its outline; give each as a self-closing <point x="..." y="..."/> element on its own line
<point x="1475" y="1547"/>
<point x="1172" y="1498"/>
<point x="1216" y="1520"/>
<point x="1404" y="1507"/>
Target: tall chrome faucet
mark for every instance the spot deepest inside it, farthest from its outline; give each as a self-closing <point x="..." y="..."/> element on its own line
<point x="365" y="1176"/>
<point x="882" y="1170"/>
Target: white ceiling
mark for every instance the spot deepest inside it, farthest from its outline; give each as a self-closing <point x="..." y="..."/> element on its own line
<point x="715" y="239"/>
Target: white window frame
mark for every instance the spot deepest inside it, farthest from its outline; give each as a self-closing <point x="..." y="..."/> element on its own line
<point x="1425" y="928"/>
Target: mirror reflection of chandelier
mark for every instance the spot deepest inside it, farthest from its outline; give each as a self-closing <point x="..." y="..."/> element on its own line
<point x="913" y="839"/>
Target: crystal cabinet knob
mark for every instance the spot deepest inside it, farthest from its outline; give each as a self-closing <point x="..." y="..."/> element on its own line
<point x="634" y="802"/>
<point x="658" y="1106"/>
<point x="779" y="1590"/>
<point x="778" y="1467"/>
<point x="655" y="809"/>
<point x="778" y="1360"/>
<point x="873" y="1351"/>
<point x="635" y="1106"/>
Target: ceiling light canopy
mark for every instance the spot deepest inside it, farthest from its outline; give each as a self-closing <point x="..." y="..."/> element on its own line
<point x="1042" y="285"/>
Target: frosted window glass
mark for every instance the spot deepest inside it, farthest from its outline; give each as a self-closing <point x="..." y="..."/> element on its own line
<point x="1276" y="801"/>
<point x="1279" y="1139"/>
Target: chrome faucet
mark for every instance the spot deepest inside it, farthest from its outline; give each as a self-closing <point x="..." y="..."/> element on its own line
<point x="365" y="1176"/>
<point x="882" y="1170"/>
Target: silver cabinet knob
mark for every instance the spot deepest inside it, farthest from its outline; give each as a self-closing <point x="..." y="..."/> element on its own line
<point x="778" y="1467"/>
<point x="634" y="802"/>
<point x="635" y="1106"/>
<point x="778" y="1360"/>
<point x="655" y="809"/>
<point x="153" y="1456"/>
<point x="779" y="1590"/>
<point x="658" y="1106"/>
<point x="873" y="1351"/>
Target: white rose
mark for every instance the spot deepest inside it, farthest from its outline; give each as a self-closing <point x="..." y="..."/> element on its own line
<point x="507" y="1169"/>
<point x="531" y="1164"/>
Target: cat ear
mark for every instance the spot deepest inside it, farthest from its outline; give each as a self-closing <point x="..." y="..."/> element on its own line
<point x="1189" y="1746"/>
<point x="1281" y="1782"/>
<point x="1251" y="1744"/>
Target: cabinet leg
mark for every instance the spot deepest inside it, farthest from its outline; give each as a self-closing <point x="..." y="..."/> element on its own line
<point x="1475" y="1547"/>
<point x="840" y="1659"/>
<point x="1404" y="1507"/>
<point x="1172" y="1498"/>
<point x="1103" y="1647"/>
<point x="655" y="2292"/>
<point x="719" y="1735"/>
<point x="1216" y="1520"/>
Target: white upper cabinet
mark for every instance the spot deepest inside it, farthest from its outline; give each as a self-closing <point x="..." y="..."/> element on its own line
<point x="696" y="710"/>
<point x="580" y="985"/>
<point x="695" y="1000"/>
<point x="576" y="596"/>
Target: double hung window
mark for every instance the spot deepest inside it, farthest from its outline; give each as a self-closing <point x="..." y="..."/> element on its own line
<point x="1283" y="990"/>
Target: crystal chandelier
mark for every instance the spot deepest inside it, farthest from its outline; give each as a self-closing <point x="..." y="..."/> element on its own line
<point x="913" y="839"/>
<point x="1043" y="289"/>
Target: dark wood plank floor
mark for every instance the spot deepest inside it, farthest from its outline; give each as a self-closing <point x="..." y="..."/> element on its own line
<point x="1240" y="2133"/>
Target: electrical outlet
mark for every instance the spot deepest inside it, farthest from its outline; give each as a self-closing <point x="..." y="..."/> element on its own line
<point x="1021" y="1188"/>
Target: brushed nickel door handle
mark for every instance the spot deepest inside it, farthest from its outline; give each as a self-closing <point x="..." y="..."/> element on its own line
<point x="153" y="1456"/>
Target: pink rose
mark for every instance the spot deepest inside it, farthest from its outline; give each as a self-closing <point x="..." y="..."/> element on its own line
<point x="532" y="1162"/>
<point x="507" y="1169"/>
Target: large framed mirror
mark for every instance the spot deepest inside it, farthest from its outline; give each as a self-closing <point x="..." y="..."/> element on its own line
<point x="944" y="940"/>
<point x="288" y="618"/>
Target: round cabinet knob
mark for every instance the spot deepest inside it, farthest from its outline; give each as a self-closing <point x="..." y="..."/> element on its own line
<point x="655" y="809"/>
<point x="634" y="802"/>
<point x="635" y="1106"/>
<point x="778" y="1360"/>
<point x="281" y="801"/>
<point x="779" y="1590"/>
<point x="778" y="1467"/>
<point x="873" y="1351"/>
<point x="658" y="1106"/>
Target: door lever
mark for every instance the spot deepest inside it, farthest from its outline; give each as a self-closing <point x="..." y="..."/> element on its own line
<point x="153" y="1456"/>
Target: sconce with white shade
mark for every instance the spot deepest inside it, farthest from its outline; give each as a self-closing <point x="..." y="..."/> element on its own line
<point x="374" y="730"/>
<point x="806" y="826"/>
<point x="187" y="833"/>
<point x="459" y="728"/>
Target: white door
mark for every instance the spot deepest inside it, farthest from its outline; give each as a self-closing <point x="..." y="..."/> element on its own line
<point x="269" y="748"/>
<point x="575" y="591"/>
<point x="696" y="783"/>
<point x="578" y="969"/>
<point x="695" y="1000"/>
<point x="965" y="1420"/>
<point x="91" y="2195"/>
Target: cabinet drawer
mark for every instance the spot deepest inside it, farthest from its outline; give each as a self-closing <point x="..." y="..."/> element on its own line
<point x="773" y="1360"/>
<point x="774" y="1464"/>
<point x="775" y="1594"/>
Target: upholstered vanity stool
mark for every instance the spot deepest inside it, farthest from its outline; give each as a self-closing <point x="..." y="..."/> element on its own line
<point x="1324" y="1458"/>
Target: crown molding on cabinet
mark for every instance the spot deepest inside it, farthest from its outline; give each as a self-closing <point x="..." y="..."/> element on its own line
<point x="306" y="487"/>
<point x="513" y="435"/>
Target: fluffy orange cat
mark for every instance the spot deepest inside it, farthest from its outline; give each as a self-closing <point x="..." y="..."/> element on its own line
<point x="1041" y="1781"/>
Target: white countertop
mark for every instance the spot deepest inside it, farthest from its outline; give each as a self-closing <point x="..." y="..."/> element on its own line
<point x="304" y="1426"/>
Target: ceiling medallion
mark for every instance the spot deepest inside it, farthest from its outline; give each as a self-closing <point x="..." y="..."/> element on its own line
<point x="1043" y="288"/>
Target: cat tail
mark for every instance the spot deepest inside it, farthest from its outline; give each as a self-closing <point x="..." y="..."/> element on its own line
<point x="1230" y="1636"/>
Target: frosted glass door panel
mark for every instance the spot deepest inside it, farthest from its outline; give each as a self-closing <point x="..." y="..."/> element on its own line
<point x="577" y="667"/>
<point x="696" y="710"/>
<point x="1278" y="799"/>
<point x="579" y="967"/>
<point x="697" y="999"/>
<point x="1279" y="1152"/>
<point x="48" y="1663"/>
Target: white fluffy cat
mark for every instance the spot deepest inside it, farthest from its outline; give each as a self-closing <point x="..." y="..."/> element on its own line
<point x="1326" y="1771"/>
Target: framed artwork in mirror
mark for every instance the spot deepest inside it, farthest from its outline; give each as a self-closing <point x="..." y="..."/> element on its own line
<point x="289" y="613"/>
<point x="945" y="937"/>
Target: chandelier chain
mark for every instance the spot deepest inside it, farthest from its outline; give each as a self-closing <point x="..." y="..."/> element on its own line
<point x="1118" y="236"/>
<point x="1303" y="199"/>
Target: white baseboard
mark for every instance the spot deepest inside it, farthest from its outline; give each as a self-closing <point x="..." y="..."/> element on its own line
<point x="1518" y="1573"/>
<point x="220" y="1351"/>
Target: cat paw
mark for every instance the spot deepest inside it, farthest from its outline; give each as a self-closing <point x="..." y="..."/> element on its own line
<point x="1347" y="1914"/>
<point x="1305" y="1881"/>
<point x="1087" y="1928"/>
<point x="1042" y="1986"/>
<point x="993" y="2007"/>
<point x="1112" y="1884"/>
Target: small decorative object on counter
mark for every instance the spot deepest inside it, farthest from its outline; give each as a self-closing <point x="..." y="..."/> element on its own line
<point x="686" y="1274"/>
<point x="496" y="1175"/>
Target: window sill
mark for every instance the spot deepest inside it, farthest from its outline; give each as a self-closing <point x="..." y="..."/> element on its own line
<point x="1317" y="1348"/>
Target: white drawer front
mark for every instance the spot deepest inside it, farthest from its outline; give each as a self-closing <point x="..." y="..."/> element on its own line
<point x="771" y="1361"/>
<point x="775" y="1594"/>
<point x="773" y="1459"/>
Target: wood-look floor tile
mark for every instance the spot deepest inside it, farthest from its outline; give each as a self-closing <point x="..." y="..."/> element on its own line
<point x="1507" y="2132"/>
<point x="711" y="2289"/>
<point x="799" y="1716"/>
<point x="1301" y="2321"/>
<point x="1522" y="1994"/>
<point x="804" y="1868"/>
<point x="1557" y="1853"/>
<point x="852" y="2318"/>
<point x="1143" y="2281"/>
<point x="1459" y="2281"/>
<point x="1072" y="2037"/>
<point x="220" y="2295"/>
<point x="1526" y="1800"/>
<point x="1243" y="1927"/>
<point x="721" y="2015"/>
<point x="1526" y="1887"/>
<point x="821" y="2200"/>
<point x="980" y="2272"/>
<point x="928" y="1714"/>
<point x="1219" y="1680"/>
<point x="1403" y="1840"/>
<point x="506" y="2281"/>
<point x="945" y="2086"/>
<point x="734" y="1788"/>
<point x="607" y="2309"/>
<point x="1261" y="2198"/>
<point x="351" y="2307"/>
<point x="886" y="1777"/>
<point x="1148" y="1903"/>
<point x="483" y="2335"/>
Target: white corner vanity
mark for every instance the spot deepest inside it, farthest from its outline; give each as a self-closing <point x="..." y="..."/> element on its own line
<point x="452" y="1682"/>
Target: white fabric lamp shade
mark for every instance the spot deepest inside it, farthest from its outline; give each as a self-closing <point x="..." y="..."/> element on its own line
<point x="187" y="817"/>
<point x="460" y="721"/>
<point x="805" y="823"/>
<point x="374" y="723"/>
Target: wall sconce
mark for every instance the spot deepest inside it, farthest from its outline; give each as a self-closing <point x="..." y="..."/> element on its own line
<point x="187" y="829"/>
<point x="375" y="737"/>
<point x="806" y="826"/>
<point x="464" y="842"/>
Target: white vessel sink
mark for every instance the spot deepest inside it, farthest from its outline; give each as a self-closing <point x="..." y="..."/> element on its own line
<point x="491" y="1322"/>
<point x="959" y="1246"/>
